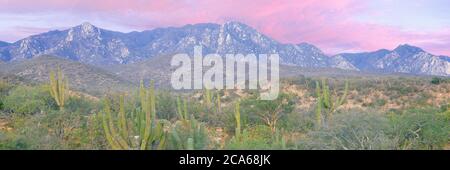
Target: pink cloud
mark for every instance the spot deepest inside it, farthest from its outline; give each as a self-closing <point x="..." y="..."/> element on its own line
<point x="328" y="24"/>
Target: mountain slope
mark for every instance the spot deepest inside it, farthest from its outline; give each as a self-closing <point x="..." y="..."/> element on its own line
<point x="89" y="44"/>
<point x="92" y="45"/>
<point x="158" y="69"/>
<point x="81" y="77"/>
<point x="3" y="44"/>
<point x="403" y="59"/>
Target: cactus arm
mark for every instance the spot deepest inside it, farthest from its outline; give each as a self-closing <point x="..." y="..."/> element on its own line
<point x="58" y="88"/>
<point x="344" y="96"/>
<point x="122" y="118"/>
<point x="207" y="97"/>
<point x="152" y="101"/>
<point x="319" y="105"/>
<point x="147" y="131"/>
<point x="179" y="108"/>
<point x="162" y="142"/>
<point x="237" y="115"/>
<point x="108" y="135"/>
<point x="53" y="87"/>
<point x="218" y="102"/>
<point x="149" y="115"/>
<point x="185" y="110"/>
<point x="190" y="144"/>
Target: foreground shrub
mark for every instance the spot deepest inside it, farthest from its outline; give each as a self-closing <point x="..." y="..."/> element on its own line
<point x="425" y="128"/>
<point x="11" y="141"/>
<point x="257" y="137"/>
<point x="27" y="100"/>
<point x="351" y="131"/>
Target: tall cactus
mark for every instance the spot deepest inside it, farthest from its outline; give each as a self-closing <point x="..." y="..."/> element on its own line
<point x="326" y="104"/>
<point x="208" y="97"/>
<point x="218" y="103"/>
<point x="319" y="106"/>
<point x="142" y="131"/>
<point x="182" y="109"/>
<point x="237" y="116"/>
<point x="187" y="133"/>
<point x="58" y="88"/>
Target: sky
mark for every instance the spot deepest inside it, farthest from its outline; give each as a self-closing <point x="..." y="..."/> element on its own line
<point x="334" y="26"/>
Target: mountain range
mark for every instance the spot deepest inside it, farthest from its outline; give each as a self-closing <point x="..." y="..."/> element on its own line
<point x="89" y="44"/>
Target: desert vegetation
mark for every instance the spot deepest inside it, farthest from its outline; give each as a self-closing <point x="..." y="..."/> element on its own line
<point x="348" y="113"/>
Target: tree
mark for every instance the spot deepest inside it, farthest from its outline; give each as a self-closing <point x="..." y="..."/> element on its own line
<point x="270" y="111"/>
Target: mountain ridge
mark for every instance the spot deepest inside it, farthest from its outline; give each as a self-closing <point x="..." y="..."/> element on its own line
<point x="403" y="59"/>
<point x="89" y="44"/>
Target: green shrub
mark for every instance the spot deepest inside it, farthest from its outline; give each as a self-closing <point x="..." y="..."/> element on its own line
<point x="80" y="105"/>
<point x="268" y="112"/>
<point x="436" y="80"/>
<point x="27" y="100"/>
<point x="13" y="142"/>
<point x="351" y="131"/>
<point x="424" y="128"/>
<point x="166" y="106"/>
<point x="253" y="138"/>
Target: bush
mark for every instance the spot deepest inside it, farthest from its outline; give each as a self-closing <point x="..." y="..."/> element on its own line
<point x="28" y="100"/>
<point x="81" y="105"/>
<point x="420" y="129"/>
<point x="166" y="106"/>
<point x="9" y="141"/>
<point x="4" y="89"/>
<point x="257" y="137"/>
<point x="436" y="80"/>
<point x="53" y="130"/>
<point x="351" y="131"/>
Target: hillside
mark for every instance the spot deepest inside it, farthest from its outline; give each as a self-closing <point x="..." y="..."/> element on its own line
<point x="82" y="77"/>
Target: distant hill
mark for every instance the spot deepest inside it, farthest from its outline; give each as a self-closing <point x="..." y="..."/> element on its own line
<point x="156" y="69"/>
<point x="3" y="44"/>
<point x="81" y="77"/>
<point x="403" y="59"/>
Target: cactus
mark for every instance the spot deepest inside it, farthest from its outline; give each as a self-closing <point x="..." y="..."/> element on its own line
<point x="142" y="131"/>
<point x="208" y="97"/>
<point x="237" y="116"/>
<point x="325" y="103"/>
<point x="58" y="88"/>
<point x="319" y="106"/>
<point x="182" y="109"/>
<point x="187" y="132"/>
<point x="279" y="141"/>
<point x="219" y="103"/>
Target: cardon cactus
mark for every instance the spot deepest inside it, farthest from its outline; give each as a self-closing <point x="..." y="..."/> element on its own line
<point x="187" y="133"/>
<point x="136" y="130"/>
<point x="58" y="88"/>
<point x="326" y="103"/>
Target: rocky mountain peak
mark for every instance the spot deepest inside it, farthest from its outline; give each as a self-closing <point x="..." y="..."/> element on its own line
<point x="310" y="47"/>
<point x="86" y="30"/>
<point x="407" y="50"/>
